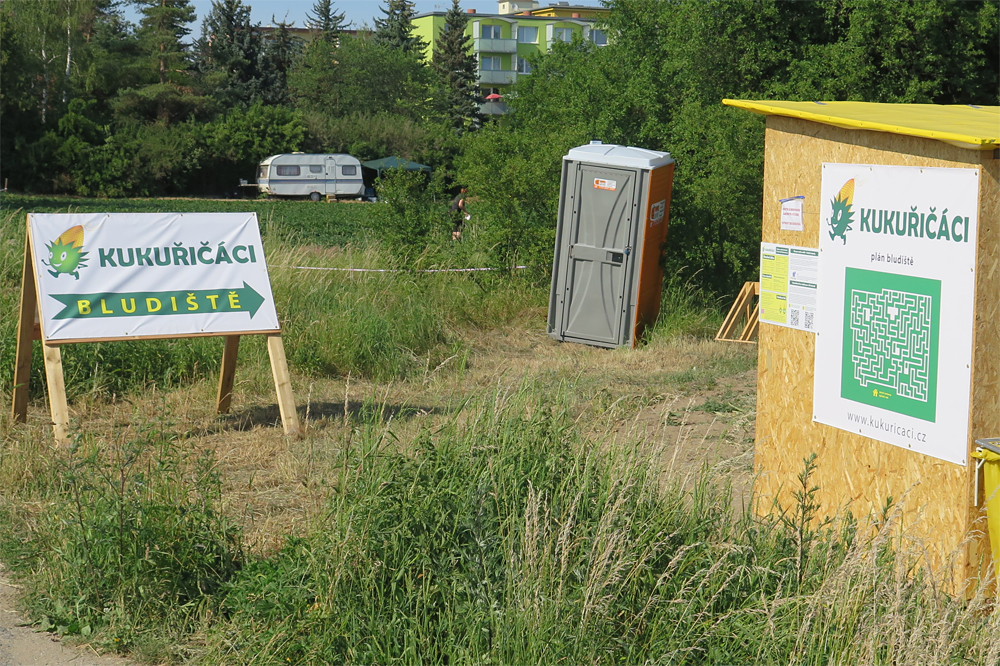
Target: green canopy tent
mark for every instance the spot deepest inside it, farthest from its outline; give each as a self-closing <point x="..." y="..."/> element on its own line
<point x="387" y="163"/>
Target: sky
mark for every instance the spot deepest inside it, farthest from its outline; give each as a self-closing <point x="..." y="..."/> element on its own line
<point x="357" y="12"/>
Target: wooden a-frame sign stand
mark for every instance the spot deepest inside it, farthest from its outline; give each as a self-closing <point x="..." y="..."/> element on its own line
<point x="29" y="329"/>
<point x="743" y="311"/>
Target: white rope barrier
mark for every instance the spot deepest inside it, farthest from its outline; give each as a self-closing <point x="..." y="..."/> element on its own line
<point x="393" y="270"/>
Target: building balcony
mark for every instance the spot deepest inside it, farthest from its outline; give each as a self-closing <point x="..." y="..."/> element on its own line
<point x="494" y="45"/>
<point x="493" y="77"/>
<point x="493" y="108"/>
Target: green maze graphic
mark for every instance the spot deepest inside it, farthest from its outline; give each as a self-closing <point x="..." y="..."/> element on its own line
<point x="891" y="325"/>
<point x="891" y="341"/>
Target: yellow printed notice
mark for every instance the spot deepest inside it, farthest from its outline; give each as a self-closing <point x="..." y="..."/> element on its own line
<point x="773" y="307"/>
<point x="788" y="284"/>
<point x="774" y="272"/>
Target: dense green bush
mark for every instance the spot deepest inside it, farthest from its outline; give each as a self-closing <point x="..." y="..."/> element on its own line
<point x="513" y="181"/>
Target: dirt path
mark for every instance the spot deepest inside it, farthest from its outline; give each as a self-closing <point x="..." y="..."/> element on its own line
<point x="21" y="646"/>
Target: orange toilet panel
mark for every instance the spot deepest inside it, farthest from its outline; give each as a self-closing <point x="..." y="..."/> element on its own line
<point x="657" y="214"/>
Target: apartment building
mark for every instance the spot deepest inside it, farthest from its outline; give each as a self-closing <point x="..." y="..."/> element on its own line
<point x="503" y="41"/>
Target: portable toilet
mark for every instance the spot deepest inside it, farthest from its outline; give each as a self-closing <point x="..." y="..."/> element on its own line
<point x="614" y="202"/>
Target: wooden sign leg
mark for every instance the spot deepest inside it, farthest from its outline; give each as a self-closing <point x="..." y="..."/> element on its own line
<point x="227" y="374"/>
<point x="57" y="393"/>
<point x="25" y="335"/>
<point x="283" y="385"/>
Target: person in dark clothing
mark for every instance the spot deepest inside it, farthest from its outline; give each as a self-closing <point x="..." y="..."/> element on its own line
<point x="458" y="214"/>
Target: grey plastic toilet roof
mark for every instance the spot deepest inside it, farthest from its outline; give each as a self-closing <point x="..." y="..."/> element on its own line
<point x="623" y="156"/>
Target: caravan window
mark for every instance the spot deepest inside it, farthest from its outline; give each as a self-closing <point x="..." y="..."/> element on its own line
<point x="289" y="171"/>
<point x="315" y="168"/>
<point x="349" y="170"/>
<point x="263" y="172"/>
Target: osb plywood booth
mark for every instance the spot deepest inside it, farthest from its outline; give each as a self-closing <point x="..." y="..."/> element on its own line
<point x="879" y="343"/>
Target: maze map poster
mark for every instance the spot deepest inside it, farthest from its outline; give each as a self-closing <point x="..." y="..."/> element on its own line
<point x="895" y="305"/>
<point x="129" y="275"/>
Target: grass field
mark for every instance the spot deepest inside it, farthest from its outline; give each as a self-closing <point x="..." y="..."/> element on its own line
<point x="308" y="222"/>
<point x="467" y="490"/>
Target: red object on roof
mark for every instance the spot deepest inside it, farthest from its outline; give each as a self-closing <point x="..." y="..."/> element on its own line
<point x="493" y="97"/>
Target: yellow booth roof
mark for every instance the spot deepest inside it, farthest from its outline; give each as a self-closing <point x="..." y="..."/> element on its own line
<point x="963" y="125"/>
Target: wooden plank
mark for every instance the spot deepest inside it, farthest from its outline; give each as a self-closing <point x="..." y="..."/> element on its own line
<point x="744" y="311"/>
<point x="227" y="373"/>
<point x="857" y="472"/>
<point x="25" y="335"/>
<point x="283" y="385"/>
<point x="57" y="393"/>
<point x="753" y="324"/>
<point x="729" y="322"/>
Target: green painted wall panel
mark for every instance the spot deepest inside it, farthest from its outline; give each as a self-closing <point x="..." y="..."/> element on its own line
<point x="428" y="27"/>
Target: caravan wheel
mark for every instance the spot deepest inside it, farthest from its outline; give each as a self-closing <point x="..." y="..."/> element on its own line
<point x="314" y="196"/>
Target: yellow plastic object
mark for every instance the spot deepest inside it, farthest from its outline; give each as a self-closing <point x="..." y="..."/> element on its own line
<point x="963" y="125"/>
<point x="991" y="488"/>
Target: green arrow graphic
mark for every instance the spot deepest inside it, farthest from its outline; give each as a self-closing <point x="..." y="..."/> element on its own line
<point x="158" y="303"/>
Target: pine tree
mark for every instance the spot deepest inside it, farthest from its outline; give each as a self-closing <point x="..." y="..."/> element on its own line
<point x="396" y="29"/>
<point x="325" y="19"/>
<point x="279" y="53"/>
<point x="161" y="28"/>
<point x="230" y="53"/>
<point x="455" y="64"/>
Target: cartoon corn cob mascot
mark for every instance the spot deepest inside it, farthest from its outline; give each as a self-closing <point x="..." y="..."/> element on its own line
<point x="66" y="253"/>
<point x="840" y="222"/>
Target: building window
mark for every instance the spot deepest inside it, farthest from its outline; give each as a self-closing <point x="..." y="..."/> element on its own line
<point x="527" y="35"/>
<point x="599" y="37"/>
<point x="315" y="168"/>
<point x="289" y="171"/>
<point x="349" y="170"/>
<point x="491" y="32"/>
<point x="562" y="35"/>
<point x="490" y="63"/>
<point x="523" y="66"/>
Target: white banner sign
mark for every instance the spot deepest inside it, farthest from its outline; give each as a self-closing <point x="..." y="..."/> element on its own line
<point x="896" y="297"/>
<point x="129" y="275"/>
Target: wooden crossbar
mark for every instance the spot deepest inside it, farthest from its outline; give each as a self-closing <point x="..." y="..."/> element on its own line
<point x="743" y="320"/>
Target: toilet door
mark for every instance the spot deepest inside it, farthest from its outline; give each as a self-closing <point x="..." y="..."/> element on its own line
<point x="599" y="253"/>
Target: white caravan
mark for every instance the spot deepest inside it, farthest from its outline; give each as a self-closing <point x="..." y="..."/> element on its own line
<point x="313" y="176"/>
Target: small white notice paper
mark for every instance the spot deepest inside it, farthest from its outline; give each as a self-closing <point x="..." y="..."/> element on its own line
<point x="791" y="214"/>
